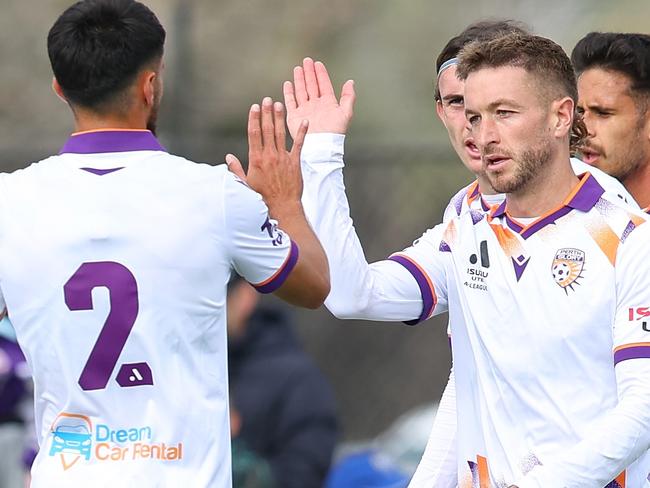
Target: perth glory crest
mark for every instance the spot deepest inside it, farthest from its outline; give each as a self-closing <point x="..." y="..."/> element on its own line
<point x="567" y="267"/>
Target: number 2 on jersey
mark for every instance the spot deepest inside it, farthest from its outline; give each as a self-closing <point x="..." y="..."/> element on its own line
<point x="123" y="292"/>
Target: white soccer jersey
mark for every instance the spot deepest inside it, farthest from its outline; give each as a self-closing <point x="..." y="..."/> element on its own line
<point x="550" y="331"/>
<point x="114" y="261"/>
<point x="438" y="465"/>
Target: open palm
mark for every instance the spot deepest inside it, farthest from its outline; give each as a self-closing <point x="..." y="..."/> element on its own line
<point x="311" y="97"/>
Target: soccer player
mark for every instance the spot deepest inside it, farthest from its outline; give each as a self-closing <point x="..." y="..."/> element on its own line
<point x="115" y="256"/>
<point x="546" y="293"/>
<point x="614" y="87"/>
<point x="438" y="465"/>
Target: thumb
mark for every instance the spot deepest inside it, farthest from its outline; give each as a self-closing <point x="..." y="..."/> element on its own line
<point x="235" y="167"/>
<point x="348" y="96"/>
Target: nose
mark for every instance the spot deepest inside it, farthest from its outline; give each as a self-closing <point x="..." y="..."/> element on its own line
<point x="485" y="132"/>
<point x="589" y="123"/>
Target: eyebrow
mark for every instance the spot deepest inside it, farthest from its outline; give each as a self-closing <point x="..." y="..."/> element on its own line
<point x="452" y="95"/>
<point x="504" y="101"/>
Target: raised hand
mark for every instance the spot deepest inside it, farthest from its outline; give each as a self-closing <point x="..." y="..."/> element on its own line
<point x="311" y="97"/>
<point x="273" y="172"/>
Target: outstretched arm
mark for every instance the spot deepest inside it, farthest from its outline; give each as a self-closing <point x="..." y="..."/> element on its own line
<point x="274" y="173"/>
<point x="401" y="288"/>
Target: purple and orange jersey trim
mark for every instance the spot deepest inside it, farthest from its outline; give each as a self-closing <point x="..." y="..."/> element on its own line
<point x="111" y="141"/>
<point x="281" y="275"/>
<point x="583" y="197"/>
<point x="474" y="193"/>
<point x="619" y="482"/>
<point x="427" y="290"/>
<point x="635" y="350"/>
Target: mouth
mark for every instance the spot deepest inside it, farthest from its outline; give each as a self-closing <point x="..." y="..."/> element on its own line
<point x="472" y="150"/>
<point x="495" y="162"/>
<point x="589" y="156"/>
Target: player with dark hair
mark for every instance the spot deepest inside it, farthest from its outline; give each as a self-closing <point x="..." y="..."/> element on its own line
<point x="614" y="86"/>
<point x="115" y="260"/>
<point x="544" y="292"/>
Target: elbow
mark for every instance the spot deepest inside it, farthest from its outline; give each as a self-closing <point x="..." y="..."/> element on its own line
<point x="320" y="291"/>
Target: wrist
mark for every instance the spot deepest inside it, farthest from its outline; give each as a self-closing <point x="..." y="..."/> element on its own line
<point x="285" y="209"/>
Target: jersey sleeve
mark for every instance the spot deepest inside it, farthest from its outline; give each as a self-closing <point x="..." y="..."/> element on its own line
<point x="260" y="251"/>
<point x="619" y="437"/>
<point x="390" y="290"/>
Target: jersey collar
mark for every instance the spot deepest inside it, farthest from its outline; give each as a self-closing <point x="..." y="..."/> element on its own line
<point x="583" y="197"/>
<point x="111" y="141"/>
<point x="474" y="193"/>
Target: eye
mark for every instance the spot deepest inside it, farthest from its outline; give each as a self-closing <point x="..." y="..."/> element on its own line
<point x="504" y="113"/>
<point x="455" y="102"/>
<point x="580" y="110"/>
<point x="602" y="113"/>
<point x="473" y="119"/>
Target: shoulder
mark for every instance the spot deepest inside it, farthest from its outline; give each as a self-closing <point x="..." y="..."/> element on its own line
<point x="455" y="206"/>
<point x="609" y="183"/>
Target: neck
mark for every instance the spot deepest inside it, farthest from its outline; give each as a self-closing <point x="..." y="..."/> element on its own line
<point x="638" y="184"/>
<point x="484" y="185"/>
<point x="546" y="190"/>
<point x="87" y="121"/>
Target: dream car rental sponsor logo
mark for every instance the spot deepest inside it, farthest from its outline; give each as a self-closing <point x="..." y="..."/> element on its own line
<point x="73" y="439"/>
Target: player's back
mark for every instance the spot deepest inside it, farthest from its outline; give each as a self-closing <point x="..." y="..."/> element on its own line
<point x="113" y="269"/>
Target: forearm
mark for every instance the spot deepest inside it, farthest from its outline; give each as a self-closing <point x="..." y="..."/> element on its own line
<point x="438" y="467"/>
<point x="308" y="284"/>
<point x="382" y="291"/>
<point x="612" y="444"/>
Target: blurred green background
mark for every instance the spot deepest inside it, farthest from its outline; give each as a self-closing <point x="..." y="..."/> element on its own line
<point x="224" y="55"/>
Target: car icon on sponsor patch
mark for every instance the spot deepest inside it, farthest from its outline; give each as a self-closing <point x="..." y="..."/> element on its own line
<point x="72" y="435"/>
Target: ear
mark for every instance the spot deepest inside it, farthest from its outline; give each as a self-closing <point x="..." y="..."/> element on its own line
<point x="148" y="86"/>
<point x="562" y="111"/>
<point x="58" y="90"/>
<point x="441" y="112"/>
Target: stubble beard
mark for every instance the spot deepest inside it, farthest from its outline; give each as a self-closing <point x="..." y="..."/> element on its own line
<point x="527" y="167"/>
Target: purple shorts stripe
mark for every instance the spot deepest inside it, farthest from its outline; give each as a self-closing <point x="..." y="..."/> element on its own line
<point x="428" y="295"/>
<point x="282" y="274"/>
<point x="634" y="352"/>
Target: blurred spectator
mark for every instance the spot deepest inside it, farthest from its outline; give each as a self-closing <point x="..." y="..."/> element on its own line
<point x="248" y="469"/>
<point x="283" y="403"/>
<point x="387" y="461"/>
<point x="14" y="396"/>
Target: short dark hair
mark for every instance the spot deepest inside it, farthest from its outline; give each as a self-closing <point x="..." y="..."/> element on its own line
<point x="626" y="53"/>
<point x="97" y="48"/>
<point x="539" y="56"/>
<point x="479" y="31"/>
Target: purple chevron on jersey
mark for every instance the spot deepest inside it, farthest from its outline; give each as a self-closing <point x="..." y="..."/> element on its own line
<point x="444" y="247"/>
<point x="476" y="216"/>
<point x="520" y="264"/>
<point x="111" y="141"/>
<point x="101" y="172"/>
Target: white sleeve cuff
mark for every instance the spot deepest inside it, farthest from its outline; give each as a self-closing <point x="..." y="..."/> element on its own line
<point x="322" y="148"/>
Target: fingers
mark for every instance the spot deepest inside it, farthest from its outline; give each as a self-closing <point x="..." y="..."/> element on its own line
<point x="268" y="130"/>
<point x="299" y="84"/>
<point x="323" y="79"/>
<point x="300" y="139"/>
<point x="289" y="96"/>
<point x="254" y="131"/>
<point x="310" y="78"/>
<point x="235" y="167"/>
<point x="348" y="96"/>
<point x="278" y="121"/>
